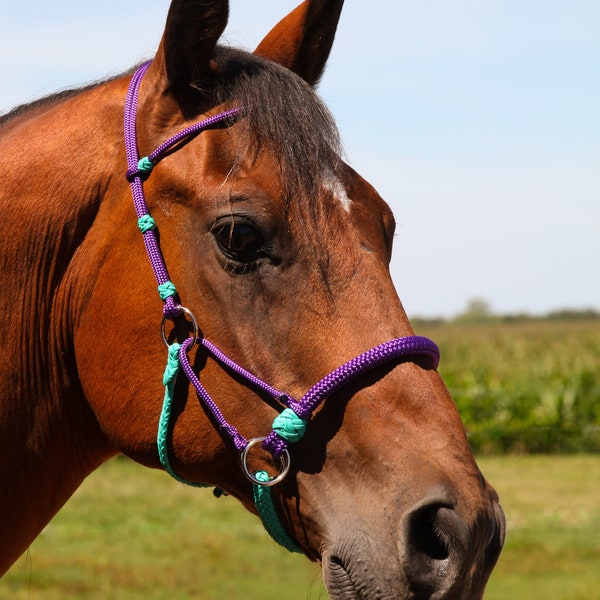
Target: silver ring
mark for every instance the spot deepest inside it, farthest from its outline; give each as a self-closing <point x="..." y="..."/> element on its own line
<point x="284" y="466"/>
<point x="189" y="314"/>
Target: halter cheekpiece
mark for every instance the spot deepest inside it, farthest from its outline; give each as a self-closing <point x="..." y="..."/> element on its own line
<point x="289" y="426"/>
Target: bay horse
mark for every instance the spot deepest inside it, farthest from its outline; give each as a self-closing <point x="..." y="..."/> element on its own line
<point x="271" y="256"/>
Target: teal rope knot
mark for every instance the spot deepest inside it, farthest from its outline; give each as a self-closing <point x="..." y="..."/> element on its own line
<point x="268" y="514"/>
<point x="146" y="223"/>
<point x="145" y="166"/>
<point x="289" y="426"/>
<point x="167" y="289"/>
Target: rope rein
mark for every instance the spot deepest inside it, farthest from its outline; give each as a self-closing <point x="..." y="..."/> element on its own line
<point x="290" y="425"/>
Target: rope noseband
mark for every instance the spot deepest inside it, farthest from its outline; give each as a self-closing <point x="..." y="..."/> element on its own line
<point x="289" y="426"/>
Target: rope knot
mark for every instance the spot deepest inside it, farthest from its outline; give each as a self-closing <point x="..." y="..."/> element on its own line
<point x="143" y="170"/>
<point x="145" y="166"/>
<point x="146" y="223"/>
<point x="167" y="289"/>
<point x="171" y="310"/>
<point x="289" y="426"/>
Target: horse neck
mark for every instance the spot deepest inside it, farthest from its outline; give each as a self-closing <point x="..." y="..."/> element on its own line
<point x="55" y="165"/>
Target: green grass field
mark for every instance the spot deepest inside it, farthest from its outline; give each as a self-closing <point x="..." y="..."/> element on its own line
<point x="552" y="505"/>
<point x="133" y="533"/>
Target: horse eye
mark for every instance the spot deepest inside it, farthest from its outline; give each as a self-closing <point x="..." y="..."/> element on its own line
<point x="238" y="240"/>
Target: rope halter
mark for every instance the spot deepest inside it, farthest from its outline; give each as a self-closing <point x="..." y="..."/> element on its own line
<point x="290" y="425"/>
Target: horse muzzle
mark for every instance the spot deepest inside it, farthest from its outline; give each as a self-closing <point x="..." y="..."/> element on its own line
<point x="438" y="555"/>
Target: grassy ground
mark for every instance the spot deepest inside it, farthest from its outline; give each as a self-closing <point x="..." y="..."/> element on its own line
<point x="552" y="550"/>
<point x="132" y="533"/>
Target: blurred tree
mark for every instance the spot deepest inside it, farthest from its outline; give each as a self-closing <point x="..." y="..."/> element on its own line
<point x="478" y="309"/>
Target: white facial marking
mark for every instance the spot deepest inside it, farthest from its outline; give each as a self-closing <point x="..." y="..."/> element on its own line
<point x="334" y="186"/>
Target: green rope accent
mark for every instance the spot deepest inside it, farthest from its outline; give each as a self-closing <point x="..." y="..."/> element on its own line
<point x="162" y="439"/>
<point x="172" y="368"/>
<point x="289" y="426"/>
<point x="146" y="223"/>
<point x="145" y="166"/>
<point x="268" y="514"/>
<point x="167" y="289"/>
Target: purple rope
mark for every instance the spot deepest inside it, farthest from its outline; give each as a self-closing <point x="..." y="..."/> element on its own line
<point x="389" y="351"/>
<point x="136" y="177"/>
<point x="392" y="351"/>
<point x="239" y="441"/>
<point x="137" y="189"/>
<point x="255" y="381"/>
<point x="209" y="404"/>
<point x="190" y="131"/>
<point x="130" y="113"/>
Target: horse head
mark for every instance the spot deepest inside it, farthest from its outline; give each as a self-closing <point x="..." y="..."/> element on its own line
<point x="279" y="251"/>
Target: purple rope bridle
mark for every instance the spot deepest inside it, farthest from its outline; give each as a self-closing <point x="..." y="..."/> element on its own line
<point x="289" y="425"/>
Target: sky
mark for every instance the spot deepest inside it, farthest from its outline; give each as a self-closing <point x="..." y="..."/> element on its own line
<point x="477" y="121"/>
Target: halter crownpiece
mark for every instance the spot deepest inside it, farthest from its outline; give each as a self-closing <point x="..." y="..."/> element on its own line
<point x="289" y="426"/>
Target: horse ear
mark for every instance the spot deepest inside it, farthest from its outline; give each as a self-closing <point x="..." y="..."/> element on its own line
<point x="191" y="33"/>
<point x="302" y="40"/>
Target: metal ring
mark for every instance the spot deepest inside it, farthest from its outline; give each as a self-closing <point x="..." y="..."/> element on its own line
<point x="189" y="314"/>
<point x="284" y="466"/>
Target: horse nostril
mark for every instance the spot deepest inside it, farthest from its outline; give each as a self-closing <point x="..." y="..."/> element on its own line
<point x="425" y="535"/>
<point x="436" y="541"/>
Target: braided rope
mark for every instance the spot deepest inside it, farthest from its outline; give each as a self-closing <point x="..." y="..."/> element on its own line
<point x="140" y="168"/>
<point x="266" y="509"/>
<point x="162" y="438"/>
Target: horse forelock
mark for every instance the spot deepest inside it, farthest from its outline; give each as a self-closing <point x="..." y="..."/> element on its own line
<point x="284" y="116"/>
